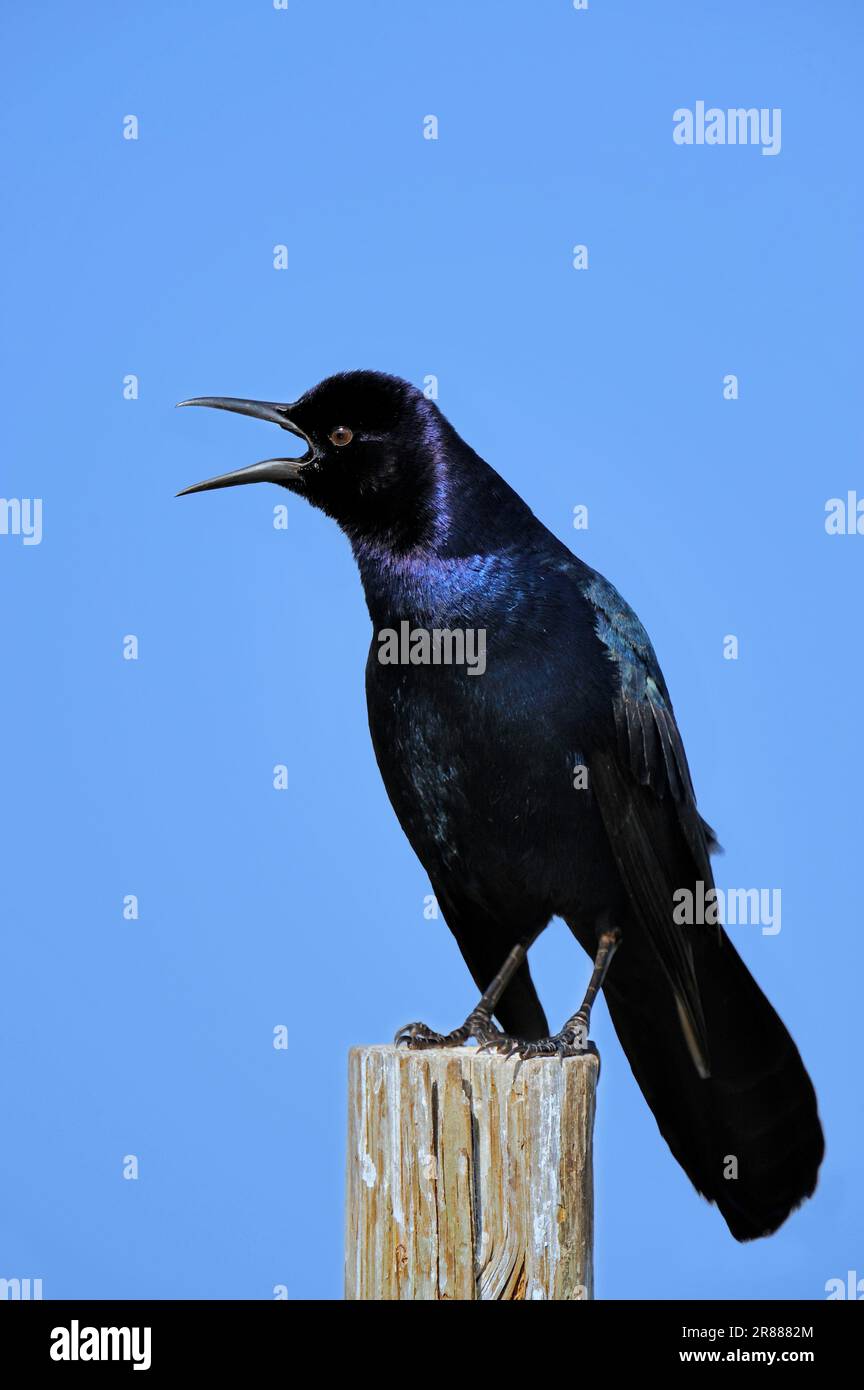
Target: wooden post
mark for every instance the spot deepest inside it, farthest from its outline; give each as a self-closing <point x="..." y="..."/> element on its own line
<point x="469" y="1175"/>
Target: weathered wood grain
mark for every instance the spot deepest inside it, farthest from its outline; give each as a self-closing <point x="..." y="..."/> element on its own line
<point x="469" y="1176"/>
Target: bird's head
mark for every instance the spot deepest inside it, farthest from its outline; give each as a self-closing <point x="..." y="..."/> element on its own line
<point x="372" y="445"/>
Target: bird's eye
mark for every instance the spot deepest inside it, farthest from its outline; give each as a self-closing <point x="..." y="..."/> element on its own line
<point x="341" y="436"/>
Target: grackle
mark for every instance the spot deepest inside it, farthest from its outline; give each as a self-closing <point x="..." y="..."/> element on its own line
<point x="479" y="767"/>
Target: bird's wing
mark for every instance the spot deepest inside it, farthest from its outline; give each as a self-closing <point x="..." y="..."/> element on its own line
<point x="645" y="796"/>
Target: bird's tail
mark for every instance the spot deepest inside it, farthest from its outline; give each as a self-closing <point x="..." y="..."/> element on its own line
<point x="748" y="1136"/>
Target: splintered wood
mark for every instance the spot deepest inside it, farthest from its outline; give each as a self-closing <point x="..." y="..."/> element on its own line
<point x="469" y="1176"/>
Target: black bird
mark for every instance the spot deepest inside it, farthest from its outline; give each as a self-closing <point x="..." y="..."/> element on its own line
<point x="480" y="766"/>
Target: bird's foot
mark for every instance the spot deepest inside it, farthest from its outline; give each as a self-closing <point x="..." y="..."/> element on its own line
<point x="477" y="1025"/>
<point x="572" y="1041"/>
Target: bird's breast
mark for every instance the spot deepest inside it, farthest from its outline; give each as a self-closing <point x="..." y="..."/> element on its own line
<point x="478" y="760"/>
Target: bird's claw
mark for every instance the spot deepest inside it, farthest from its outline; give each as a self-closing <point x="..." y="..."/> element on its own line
<point x="417" y="1035"/>
<point x="477" y="1025"/>
<point x="572" y="1041"/>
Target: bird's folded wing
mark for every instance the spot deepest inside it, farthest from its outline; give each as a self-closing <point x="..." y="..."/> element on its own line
<point x="643" y="789"/>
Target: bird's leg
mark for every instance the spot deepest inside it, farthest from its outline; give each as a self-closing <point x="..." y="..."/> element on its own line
<point x="572" y="1041"/>
<point x="479" y="1023"/>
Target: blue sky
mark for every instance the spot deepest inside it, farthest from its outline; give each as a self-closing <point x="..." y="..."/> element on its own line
<point x="601" y="387"/>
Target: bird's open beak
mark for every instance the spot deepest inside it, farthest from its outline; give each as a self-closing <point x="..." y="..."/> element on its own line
<point x="270" y="470"/>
